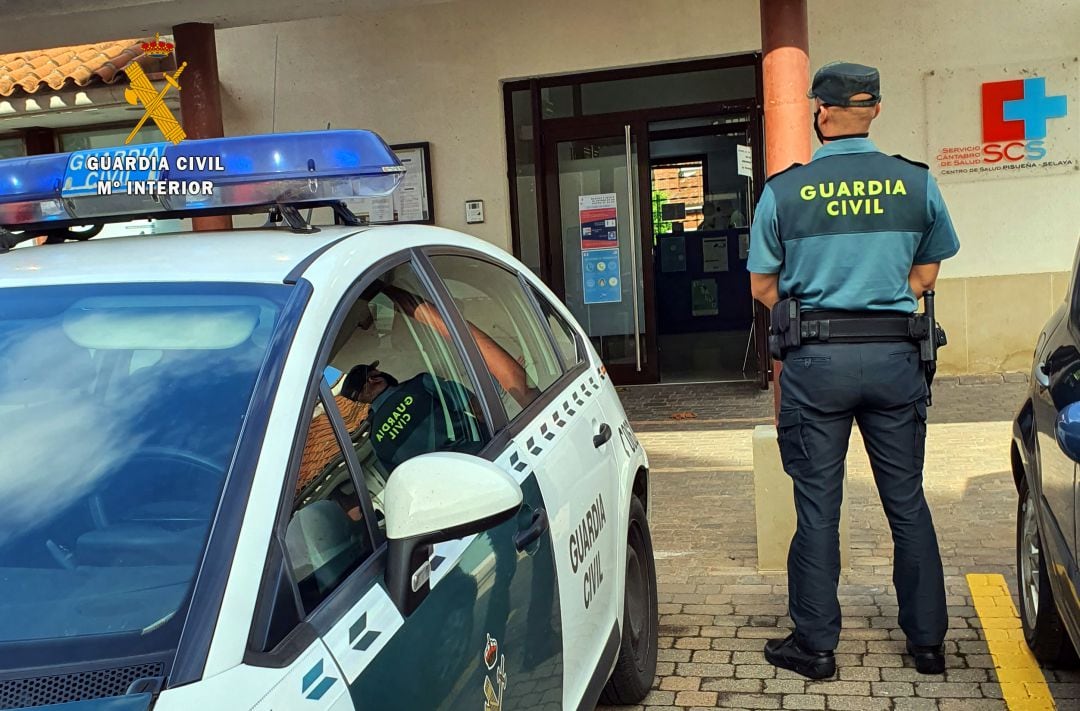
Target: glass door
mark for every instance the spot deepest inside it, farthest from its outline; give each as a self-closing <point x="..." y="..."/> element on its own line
<point x="594" y="180"/>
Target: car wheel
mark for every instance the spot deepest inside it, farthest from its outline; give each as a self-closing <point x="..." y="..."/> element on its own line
<point x="1043" y="629"/>
<point x="635" y="669"/>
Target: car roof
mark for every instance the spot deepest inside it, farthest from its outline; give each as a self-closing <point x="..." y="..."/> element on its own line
<point x="257" y="255"/>
<point x="253" y="255"/>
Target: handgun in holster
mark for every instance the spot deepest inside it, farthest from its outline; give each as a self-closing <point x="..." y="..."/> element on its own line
<point x="784" y="328"/>
<point x="930" y="336"/>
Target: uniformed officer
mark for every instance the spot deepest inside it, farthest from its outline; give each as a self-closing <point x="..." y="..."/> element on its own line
<point x="423" y="414"/>
<point x="855" y="237"/>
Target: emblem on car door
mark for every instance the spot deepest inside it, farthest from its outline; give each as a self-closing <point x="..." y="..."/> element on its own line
<point x="492" y="700"/>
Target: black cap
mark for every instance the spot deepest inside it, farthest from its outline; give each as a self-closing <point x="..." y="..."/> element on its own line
<point x="836" y="82"/>
<point x="354" y="381"/>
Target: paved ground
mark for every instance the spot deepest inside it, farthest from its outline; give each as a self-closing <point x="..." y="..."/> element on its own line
<point x="716" y="610"/>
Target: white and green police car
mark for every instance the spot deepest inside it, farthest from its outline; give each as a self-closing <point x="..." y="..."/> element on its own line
<point x="343" y="467"/>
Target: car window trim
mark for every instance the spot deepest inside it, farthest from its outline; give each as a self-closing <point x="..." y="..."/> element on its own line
<point x="494" y="410"/>
<point x="282" y="654"/>
<point x="515" y="426"/>
<point x="534" y="297"/>
<point x="208" y="592"/>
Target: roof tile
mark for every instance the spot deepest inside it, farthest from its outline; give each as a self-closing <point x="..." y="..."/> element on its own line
<point x="56" y="68"/>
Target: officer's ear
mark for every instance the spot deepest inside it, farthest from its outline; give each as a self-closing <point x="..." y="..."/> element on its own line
<point x="877" y="109"/>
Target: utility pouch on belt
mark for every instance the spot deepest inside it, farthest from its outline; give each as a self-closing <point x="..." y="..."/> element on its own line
<point x="784" y="328"/>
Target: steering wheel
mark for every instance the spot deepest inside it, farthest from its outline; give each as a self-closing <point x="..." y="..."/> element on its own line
<point x="209" y="474"/>
<point x="209" y="470"/>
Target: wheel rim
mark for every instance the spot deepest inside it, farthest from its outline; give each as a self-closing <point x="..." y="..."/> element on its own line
<point x="1030" y="560"/>
<point x="637" y="594"/>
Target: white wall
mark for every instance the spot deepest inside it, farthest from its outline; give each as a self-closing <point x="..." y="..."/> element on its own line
<point x="433" y="74"/>
<point x="1006" y="225"/>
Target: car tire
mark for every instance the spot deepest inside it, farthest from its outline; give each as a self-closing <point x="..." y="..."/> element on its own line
<point x="1043" y="630"/>
<point x="635" y="670"/>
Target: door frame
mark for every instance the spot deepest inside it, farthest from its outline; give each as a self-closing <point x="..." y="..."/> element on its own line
<point x="555" y="131"/>
<point x="583" y="130"/>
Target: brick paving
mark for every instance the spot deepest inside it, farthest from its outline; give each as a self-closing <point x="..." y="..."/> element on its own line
<point x="716" y="610"/>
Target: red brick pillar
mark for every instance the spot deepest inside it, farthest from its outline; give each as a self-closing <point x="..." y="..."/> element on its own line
<point x="785" y="47"/>
<point x="200" y="95"/>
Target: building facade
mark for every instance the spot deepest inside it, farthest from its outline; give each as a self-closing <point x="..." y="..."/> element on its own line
<point x="531" y="107"/>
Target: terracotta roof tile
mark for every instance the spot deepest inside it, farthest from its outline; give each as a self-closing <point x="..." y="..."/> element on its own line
<point x="321" y="446"/>
<point x="55" y="68"/>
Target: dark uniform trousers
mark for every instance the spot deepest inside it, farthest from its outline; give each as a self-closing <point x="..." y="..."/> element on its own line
<point x="824" y="387"/>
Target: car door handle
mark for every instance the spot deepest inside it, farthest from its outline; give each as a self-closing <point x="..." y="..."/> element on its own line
<point x="539" y="524"/>
<point x="599" y="440"/>
<point x="1041" y="376"/>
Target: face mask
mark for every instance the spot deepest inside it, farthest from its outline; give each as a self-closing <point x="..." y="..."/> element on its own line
<point x="817" y="126"/>
<point x="822" y="137"/>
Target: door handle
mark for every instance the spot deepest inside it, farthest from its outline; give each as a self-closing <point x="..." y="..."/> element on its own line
<point x="1041" y="376"/>
<point x="600" y="439"/>
<point x="539" y="524"/>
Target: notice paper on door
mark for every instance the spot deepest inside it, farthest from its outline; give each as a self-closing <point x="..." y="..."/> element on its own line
<point x="703" y="297"/>
<point x="599" y="219"/>
<point x="714" y="254"/>
<point x="601" y="276"/>
<point x="745" y="157"/>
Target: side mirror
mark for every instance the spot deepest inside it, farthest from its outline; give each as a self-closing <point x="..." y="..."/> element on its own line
<point x="434" y="498"/>
<point x="1068" y="431"/>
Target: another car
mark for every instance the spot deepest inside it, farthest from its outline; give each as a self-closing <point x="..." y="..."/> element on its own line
<point x="342" y="467"/>
<point x="1045" y="453"/>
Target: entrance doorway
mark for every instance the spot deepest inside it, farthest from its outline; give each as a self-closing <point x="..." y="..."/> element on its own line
<point x="639" y="218"/>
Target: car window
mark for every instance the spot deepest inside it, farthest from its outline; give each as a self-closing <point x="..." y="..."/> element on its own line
<point x="511" y="339"/>
<point x="123" y="406"/>
<point x="565" y="337"/>
<point x="400" y="382"/>
<point x="327" y="537"/>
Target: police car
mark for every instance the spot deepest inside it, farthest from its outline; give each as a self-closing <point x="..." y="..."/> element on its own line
<point x="301" y="468"/>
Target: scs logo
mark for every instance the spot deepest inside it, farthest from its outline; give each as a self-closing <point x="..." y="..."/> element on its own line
<point x="1014" y="118"/>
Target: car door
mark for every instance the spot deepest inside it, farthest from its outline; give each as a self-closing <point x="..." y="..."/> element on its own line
<point x="559" y="432"/>
<point x="487" y="633"/>
<point x="1057" y="385"/>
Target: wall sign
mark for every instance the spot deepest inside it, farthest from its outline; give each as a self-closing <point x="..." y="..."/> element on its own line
<point x="1009" y="121"/>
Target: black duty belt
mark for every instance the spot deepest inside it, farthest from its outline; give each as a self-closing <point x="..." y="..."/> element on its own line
<point x="859" y="327"/>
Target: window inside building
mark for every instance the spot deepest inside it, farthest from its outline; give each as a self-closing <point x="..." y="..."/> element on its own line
<point x="86" y="138"/>
<point x="678" y="195"/>
<point x="12" y="147"/>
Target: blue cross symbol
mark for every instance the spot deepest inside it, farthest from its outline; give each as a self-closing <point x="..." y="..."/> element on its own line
<point x="1035" y="108"/>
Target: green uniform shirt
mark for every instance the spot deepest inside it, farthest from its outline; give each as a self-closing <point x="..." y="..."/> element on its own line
<point x="844" y="230"/>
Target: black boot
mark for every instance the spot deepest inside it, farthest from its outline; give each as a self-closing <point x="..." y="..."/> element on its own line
<point x="787" y="654"/>
<point x="928" y="660"/>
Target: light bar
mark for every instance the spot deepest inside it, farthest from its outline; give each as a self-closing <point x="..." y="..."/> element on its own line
<point x="212" y="175"/>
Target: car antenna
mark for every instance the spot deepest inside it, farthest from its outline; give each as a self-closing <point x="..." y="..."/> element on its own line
<point x="311" y="209"/>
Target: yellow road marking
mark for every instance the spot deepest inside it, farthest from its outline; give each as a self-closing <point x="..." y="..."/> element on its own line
<point x="1023" y="685"/>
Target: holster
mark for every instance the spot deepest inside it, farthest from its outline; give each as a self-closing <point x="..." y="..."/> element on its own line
<point x="784" y="328"/>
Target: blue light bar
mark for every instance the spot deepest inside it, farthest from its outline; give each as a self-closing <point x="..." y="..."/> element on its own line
<point x="217" y="174"/>
<point x="30" y="189"/>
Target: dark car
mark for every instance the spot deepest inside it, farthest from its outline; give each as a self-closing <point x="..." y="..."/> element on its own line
<point x="1045" y="452"/>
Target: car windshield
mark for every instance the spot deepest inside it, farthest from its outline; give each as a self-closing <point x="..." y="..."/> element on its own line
<point x="120" y="409"/>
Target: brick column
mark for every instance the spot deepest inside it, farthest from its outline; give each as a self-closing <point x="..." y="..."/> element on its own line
<point x="785" y="47"/>
<point x="200" y="95"/>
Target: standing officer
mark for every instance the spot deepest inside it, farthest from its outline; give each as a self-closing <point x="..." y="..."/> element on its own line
<point x="847" y="244"/>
